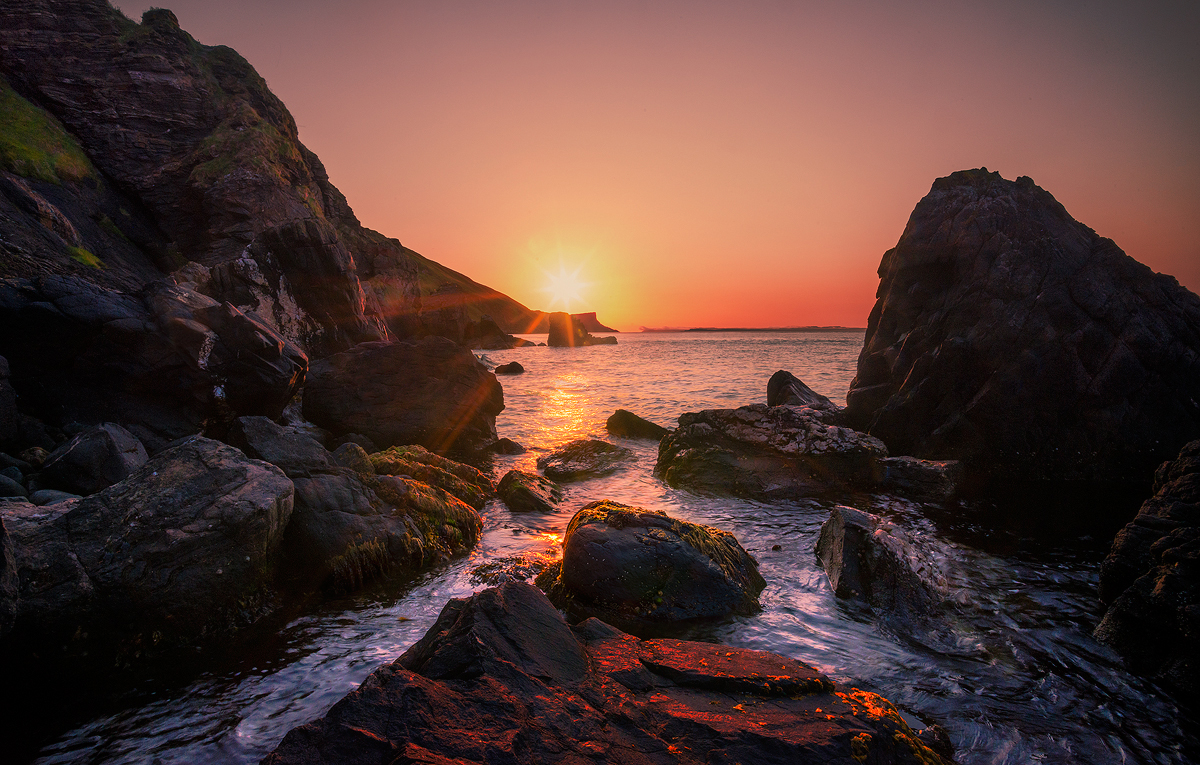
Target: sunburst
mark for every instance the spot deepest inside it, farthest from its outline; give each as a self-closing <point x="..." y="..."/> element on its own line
<point x="565" y="288"/>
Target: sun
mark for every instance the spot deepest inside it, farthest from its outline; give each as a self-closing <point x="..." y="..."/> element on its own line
<point x="565" y="288"/>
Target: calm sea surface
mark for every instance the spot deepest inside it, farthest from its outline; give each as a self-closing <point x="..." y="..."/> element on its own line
<point x="1013" y="674"/>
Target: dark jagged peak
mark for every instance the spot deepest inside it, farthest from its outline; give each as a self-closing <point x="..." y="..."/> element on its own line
<point x="1011" y="336"/>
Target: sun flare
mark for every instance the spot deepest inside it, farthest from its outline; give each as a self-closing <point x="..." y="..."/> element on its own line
<point x="565" y="288"/>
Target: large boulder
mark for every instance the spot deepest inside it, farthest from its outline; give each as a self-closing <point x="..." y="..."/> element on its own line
<point x="430" y="392"/>
<point x="93" y="460"/>
<point x="627" y="424"/>
<point x="767" y="453"/>
<point x="296" y="453"/>
<point x="462" y="481"/>
<point x="566" y="331"/>
<point x="785" y="388"/>
<point x="1012" y="337"/>
<point x="179" y="553"/>
<point x="530" y="492"/>
<point x="1150" y="581"/>
<point x="628" y="565"/>
<point x="165" y="362"/>
<point x="500" y="677"/>
<point x="875" y="561"/>
<point x="583" y="458"/>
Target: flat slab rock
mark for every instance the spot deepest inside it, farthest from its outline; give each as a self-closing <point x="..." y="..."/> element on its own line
<point x="501" y="677"/>
<point x="584" y="458"/>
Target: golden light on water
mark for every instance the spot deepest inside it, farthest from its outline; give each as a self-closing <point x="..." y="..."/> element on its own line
<point x="565" y="288"/>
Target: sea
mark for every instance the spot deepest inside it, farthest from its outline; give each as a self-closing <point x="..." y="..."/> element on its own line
<point x="1011" y="672"/>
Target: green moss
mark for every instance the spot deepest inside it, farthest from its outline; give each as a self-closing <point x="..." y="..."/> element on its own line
<point x="111" y="228"/>
<point x="81" y="255"/>
<point x="34" y="144"/>
<point x="245" y="140"/>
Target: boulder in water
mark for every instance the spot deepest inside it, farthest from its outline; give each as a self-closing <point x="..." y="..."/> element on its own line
<point x="511" y="368"/>
<point x="584" y="458"/>
<point x="627" y="424"/>
<point x="785" y="388"/>
<point x="624" y="564"/>
<point x="529" y="492"/>
<point x="500" y="677"/>
<point x="1011" y="337"/>
<point x="567" y="332"/>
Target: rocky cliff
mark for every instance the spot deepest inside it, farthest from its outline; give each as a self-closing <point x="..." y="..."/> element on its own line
<point x="1011" y="336"/>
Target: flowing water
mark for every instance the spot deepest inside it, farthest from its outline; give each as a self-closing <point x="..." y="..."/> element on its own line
<point x="1012" y="674"/>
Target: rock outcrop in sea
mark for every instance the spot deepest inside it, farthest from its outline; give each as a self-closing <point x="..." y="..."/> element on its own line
<point x="500" y="677"/>
<point x="566" y="331"/>
<point x="583" y="458"/>
<point x="1011" y="337"/>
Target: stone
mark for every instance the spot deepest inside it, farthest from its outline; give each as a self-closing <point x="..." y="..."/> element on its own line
<point x="11" y="488"/>
<point x="875" y="561"/>
<point x="589" y="322"/>
<point x="785" y="388"/>
<point x="583" y="458"/>
<point x="1011" y="337"/>
<point x="512" y="568"/>
<point x="351" y="455"/>
<point x="179" y="553"/>
<point x="761" y="452"/>
<point x="500" y="677"/>
<point x="9" y="584"/>
<point x="485" y="334"/>
<point x="13" y="473"/>
<point x="462" y="481"/>
<point x="627" y="565"/>
<point x="928" y="480"/>
<point x="295" y="453"/>
<point x="511" y="368"/>
<point x="35" y="456"/>
<point x="50" y="496"/>
<point x="507" y="446"/>
<point x="529" y="492"/>
<point x="9" y="424"/>
<point x="567" y="332"/>
<point x="627" y="424"/>
<point x="431" y="392"/>
<point x="93" y="460"/>
<point x="1150" y="581"/>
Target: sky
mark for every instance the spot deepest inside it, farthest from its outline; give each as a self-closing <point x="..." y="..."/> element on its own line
<point x="724" y="163"/>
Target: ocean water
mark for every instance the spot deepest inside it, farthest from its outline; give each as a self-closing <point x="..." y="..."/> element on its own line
<point x="1012" y="672"/>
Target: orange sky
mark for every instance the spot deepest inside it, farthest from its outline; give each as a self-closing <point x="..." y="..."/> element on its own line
<point x="725" y="163"/>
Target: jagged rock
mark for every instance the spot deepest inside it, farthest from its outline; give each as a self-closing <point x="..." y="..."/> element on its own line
<point x="511" y="368"/>
<point x="500" y="677"/>
<point x="767" y="453"/>
<point x="567" y="332"/>
<point x="463" y="481"/>
<point x="513" y="568"/>
<point x="507" y="446"/>
<point x="932" y="480"/>
<point x="584" y="458"/>
<point x="93" y="460"/>
<point x="589" y="322"/>
<point x="353" y="456"/>
<point x="785" y="388"/>
<point x="165" y="362"/>
<point x="1011" y="337"/>
<point x="529" y="492"/>
<point x="485" y="334"/>
<point x="296" y="454"/>
<point x="873" y="560"/>
<point x="431" y="392"/>
<point x="627" y="565"/>
<point x="1150" y="581"/>
<point x="627" y="424"/>
<point x="179" y="553"/>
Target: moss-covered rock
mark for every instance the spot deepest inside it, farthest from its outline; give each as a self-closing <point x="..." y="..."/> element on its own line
<point x="463" y="481"/>
<point x="584" y="458"/>
<point x="528" y="491"/>
<point x="34" y="144"/>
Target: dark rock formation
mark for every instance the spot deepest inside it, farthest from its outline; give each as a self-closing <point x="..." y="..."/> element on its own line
<point x="785" y="388"/>
<point x="10" y="487"/>
<point x="9" y="425"/>
<point x="9" y="584"/>
<point x="354" y="457"/>
<point x="295" y="453"/>
<point x="567" y="332"/>
<point x="431" y="392"/>
<point x="1150" y="581"/>
<point x="928" y="480"/>
<point x="179" y="553"/>
<point x="523" y="491"/>
<point x="627" y="565"/>
<point x="766" y="452"/>
<point x="584" y="458"/>
<point x="1011" y="337"/>
<point x="590" y="323"/>
<point x="511" y="368"/>
<point x="487" y="335"/>
<point x="873" y="560"/>
<point x="627" y="424"/>
<point x="462" y="481"/>
<point x="500" y="677"/>
<point x="164" y="363"/>
<point x="93" y="460"/>
<point x="507" y="446"/>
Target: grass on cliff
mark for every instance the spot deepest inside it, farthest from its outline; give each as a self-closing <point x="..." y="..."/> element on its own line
<point x="35" y="145"/>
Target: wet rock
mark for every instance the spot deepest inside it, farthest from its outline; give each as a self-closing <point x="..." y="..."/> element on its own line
<point x="1150" y="580"/>
<point x="507" y="446"/>
<point x="50" y="496"/>
<point x="1011" y="337"/>
<point x="431" y="392"/>
<point x="625" y="423"/>
<point x="523" y="491"/>
<point x="873" y="560"/>
<point x="293" y="452"/>
<point x="929" y="480"/>
<point x="766" y="453"/>
<point x="567" y="332"/>
<point x="581" y="459"/>
<point x="513" y="568"/>
<point x="353" y="456"/>
<point x="511" y="368"/>
<point x="13" y="473"/>
<point x="179" y="553"/>
<point x="500" y="677"/>
<point x="463" y="481"/>
<point x="784" y="388"/>
<point x="627" y="565"/>
<point x="94" y="459"/>
<point x="11" y="488"/>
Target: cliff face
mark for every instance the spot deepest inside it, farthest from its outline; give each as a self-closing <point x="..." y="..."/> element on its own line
<point x="1008" y="335"/>
<point x="140" y="152"/>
